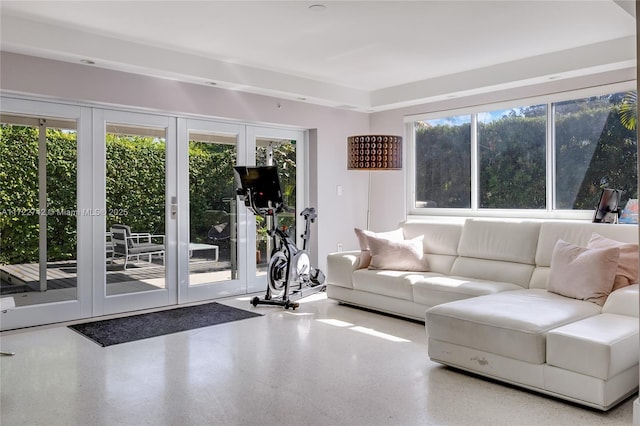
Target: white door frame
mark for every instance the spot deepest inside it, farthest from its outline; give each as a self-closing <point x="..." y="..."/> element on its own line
<point x="80" y="307"/>
<point x="103" y="304"/>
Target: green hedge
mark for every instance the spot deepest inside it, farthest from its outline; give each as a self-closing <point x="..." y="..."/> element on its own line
<point x="135" y="181"/>
<point x="593" y="150"/>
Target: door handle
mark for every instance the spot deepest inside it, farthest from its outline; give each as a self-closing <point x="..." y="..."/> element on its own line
<point x="174" y="207"/>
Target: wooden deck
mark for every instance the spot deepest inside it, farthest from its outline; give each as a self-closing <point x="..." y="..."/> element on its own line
<point x="26" y="277"/>
<point x="23" y="278"/>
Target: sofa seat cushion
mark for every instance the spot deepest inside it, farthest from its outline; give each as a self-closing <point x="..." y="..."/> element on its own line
<point x="434" y="290"/>
<point x="610" y="342"/>
<point x="387" y="283"/>
<point x="512" y="323"/>
<point x="493" y="270"/>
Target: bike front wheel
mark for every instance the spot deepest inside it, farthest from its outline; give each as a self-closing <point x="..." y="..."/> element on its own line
<point x="277" y="273"/>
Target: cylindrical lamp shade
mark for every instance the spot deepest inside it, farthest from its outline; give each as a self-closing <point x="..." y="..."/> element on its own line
<point x="374" y="152"/>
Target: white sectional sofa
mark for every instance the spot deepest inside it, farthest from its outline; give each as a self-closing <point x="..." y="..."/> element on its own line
<point x="484" y="299"/>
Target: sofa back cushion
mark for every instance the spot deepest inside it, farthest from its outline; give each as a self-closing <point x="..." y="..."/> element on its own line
<point x="509" y="241"/>
<point x="578" y="233"/>
<point x="440" y="242"/>
<point x="497" y="250"/>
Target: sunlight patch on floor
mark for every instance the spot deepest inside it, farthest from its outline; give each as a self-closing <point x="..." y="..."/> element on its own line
<point x="336" y="322"/>
<point x="364" y="330"/>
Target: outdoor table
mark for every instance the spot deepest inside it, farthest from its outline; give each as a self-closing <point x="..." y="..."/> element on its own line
<point x="199" y="247"/>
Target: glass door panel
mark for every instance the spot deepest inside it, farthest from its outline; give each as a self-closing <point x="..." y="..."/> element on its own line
<point x="210" y="262"/>
<point x="135" y="226"/>
<point x="38" y="209"/>
<point x="213" y="242"/>
<point x="282" y="154"/>
<point x="135" y="201"/>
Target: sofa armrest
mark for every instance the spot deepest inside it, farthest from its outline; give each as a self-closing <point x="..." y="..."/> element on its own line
<point x="340" y="268"/>
<point x="623" y="301"/>
<point x="610" y="340"/>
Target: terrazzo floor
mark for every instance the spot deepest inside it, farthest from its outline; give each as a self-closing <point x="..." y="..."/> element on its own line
<point x="323" y="364"/>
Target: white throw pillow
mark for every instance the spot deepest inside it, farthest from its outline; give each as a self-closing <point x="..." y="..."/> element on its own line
<point x="583" y="273"/>
<point x="365" y="254"/>
<point x="405" y="255"/>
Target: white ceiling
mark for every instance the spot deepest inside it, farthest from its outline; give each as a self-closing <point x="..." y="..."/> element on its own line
<point x="363" y="55"/>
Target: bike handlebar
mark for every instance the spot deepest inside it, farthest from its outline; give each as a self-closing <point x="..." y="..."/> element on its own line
<point x="309" y="213"/>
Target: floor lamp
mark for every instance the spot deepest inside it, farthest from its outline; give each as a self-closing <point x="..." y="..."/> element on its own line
<point x="371" y="153"/>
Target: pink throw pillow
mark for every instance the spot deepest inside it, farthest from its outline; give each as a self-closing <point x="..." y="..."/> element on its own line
<point x="405" y="255"/>
<point x="583" y="273"/>
<point x="365" y="254"/>
<point x="627" y="272"/>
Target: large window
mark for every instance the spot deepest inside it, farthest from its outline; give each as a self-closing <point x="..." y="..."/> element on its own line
<point x="594" y="148"/>
<point x="511" y="155"/>
<point x="545" y="157"/>
<point x="443" y="162"/>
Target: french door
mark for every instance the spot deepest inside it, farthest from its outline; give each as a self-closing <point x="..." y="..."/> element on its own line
<point x="222" y="246"/>
<point x="105" y="211"/>
<point x="45" y="241"/>
<point x="212" y="229"/>
<point x="135" y="216"/>
<point x="170" y="182"/>
<point x="285" y="149"/>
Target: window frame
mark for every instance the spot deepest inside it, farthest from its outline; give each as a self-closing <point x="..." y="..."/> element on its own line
<point x="550" y="212"/>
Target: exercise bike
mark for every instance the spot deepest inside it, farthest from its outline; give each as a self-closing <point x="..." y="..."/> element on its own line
<point x="289" y="273"/>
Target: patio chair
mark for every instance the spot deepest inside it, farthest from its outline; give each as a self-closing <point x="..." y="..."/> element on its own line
<point x="219" y="234"/>
<point x="132" y="246"/>
<point x="109" y="246"/>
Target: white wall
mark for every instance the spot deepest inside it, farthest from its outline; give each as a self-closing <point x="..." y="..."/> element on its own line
<point x="337" y="216"/>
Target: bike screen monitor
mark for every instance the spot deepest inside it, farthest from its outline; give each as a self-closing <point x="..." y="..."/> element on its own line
<point x="607" y="209"/>
<point x="260" y="185"/>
